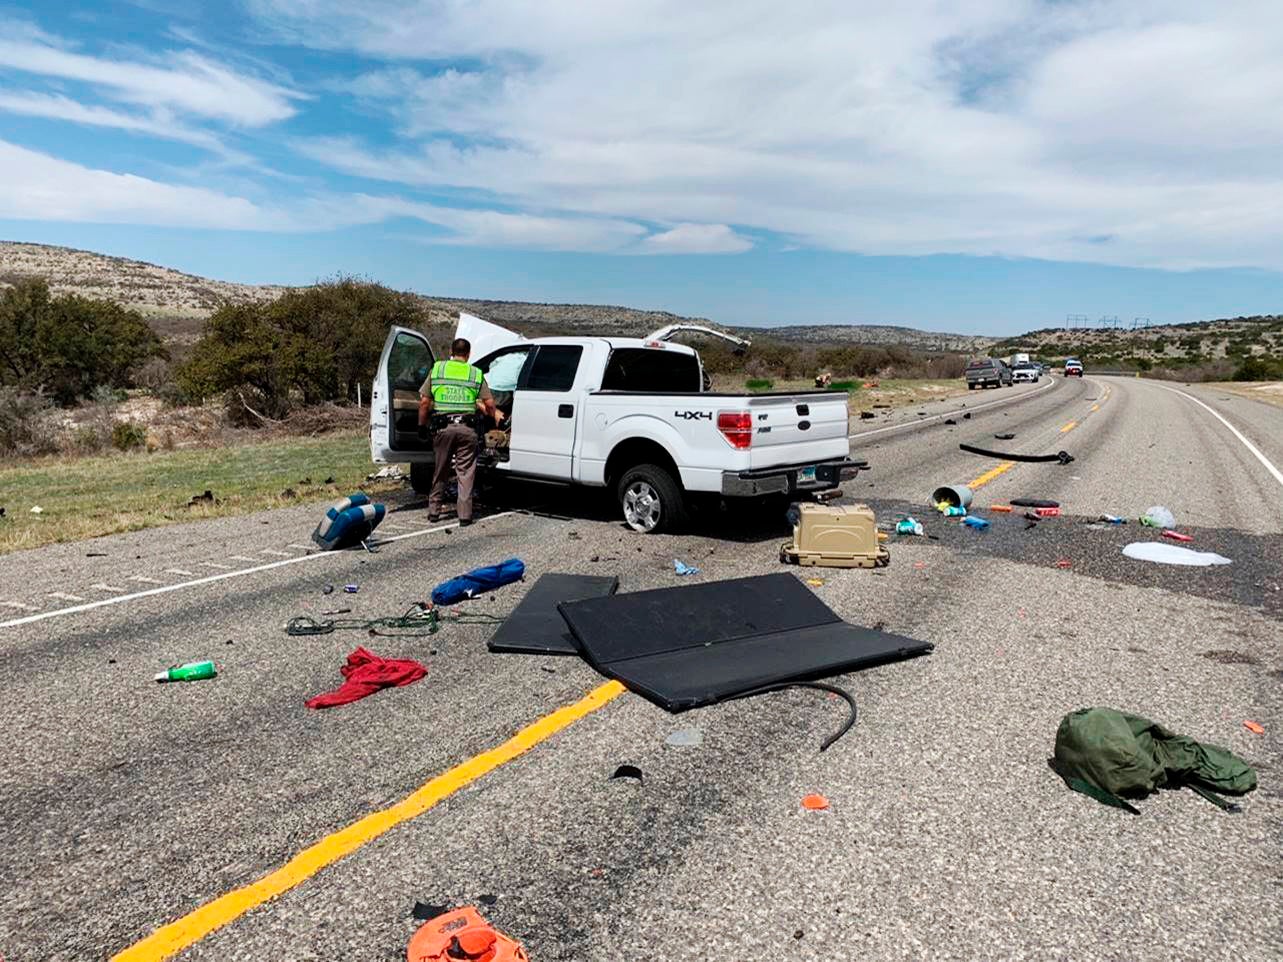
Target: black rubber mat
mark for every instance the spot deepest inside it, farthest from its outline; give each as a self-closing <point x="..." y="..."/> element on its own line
<point x="535" y="627"/>
<point x="691" y="646"/>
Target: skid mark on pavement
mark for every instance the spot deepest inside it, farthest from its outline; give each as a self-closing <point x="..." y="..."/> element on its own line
<point x="194" y="926"/>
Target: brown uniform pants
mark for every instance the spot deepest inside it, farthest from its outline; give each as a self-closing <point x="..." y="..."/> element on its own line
<point x="460" y="442"/>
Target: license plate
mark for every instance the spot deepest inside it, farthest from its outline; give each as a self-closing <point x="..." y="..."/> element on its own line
<point x="806" y="474"/>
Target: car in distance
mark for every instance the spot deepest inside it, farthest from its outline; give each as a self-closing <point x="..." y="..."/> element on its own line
<point x="986" y="371"/>
<point x="1073" y="367"/>
<point x="1026" y="372"/>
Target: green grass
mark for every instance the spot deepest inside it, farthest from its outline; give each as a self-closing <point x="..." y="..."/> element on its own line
<point x="759" y="384"/>
<point x="845" y="386"/>
<point x="87" y="497"/>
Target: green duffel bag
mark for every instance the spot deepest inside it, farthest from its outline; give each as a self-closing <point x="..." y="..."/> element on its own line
<point x="1109" y="754"/>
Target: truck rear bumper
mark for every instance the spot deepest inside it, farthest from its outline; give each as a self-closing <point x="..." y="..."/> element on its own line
<point x="787" y="479"/>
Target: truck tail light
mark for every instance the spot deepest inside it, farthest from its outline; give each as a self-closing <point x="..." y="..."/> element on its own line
<point x="736" y="427"/>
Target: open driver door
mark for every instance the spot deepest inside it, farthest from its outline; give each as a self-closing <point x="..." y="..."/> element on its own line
<point x="394" y="400"/>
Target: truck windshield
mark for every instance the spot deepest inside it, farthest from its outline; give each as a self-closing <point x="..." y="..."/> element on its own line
<point x="651" y="370"/>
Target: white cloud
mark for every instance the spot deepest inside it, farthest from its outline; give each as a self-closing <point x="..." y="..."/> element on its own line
<point x="184" y="81"/>
<point x="36" y="186"/>
<point x="1019" y="127"/>
<point x="58" y="107"/>
<point x="697" y="239"/>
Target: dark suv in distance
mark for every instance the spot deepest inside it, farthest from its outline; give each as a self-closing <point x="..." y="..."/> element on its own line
<point x="987" y="371"/>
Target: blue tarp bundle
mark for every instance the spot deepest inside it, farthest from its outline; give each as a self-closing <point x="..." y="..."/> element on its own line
<point x="477" y="581"/>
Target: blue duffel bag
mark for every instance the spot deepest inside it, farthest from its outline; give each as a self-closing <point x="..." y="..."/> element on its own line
<point x="477" y="581"/>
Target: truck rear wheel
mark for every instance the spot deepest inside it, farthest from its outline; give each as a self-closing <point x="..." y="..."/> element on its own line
<point x="652" y="500"/>
<point x="421" y="478"/>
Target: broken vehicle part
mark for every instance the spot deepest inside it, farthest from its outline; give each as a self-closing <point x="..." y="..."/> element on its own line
<point x="535" y="627"/>
<point x="1063" y="457"/>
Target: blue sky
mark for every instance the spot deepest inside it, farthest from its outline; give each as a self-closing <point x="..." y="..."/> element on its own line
<point x="989" y="169"/>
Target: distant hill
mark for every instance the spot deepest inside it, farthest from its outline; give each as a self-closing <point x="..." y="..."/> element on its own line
<point x="1166" y="344"/>
<point x="176" y="304"/>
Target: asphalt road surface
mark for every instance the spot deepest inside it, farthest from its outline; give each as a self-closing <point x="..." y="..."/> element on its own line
<point x="222" y="820"/>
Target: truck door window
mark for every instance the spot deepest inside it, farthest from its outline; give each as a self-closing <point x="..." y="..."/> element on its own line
<point x="554" y="368"/>
<point x="642" y="369"/>
<point x="408" y="362"/>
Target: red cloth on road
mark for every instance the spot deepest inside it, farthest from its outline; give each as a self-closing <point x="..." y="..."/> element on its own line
<point x="366" y="673"/>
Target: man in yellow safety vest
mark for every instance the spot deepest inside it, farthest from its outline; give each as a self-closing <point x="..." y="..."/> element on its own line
<point x="449" y="401"/>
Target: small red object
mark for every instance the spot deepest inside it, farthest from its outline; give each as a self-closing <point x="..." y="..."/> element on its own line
<point x="1047" y="512"/>
<point x="1255" y="728"/>
<point x="815" y="803"/>
<point x="1064" y="563"/>
<point x="1176" y="536"/>
<point x="1003" y="508"/>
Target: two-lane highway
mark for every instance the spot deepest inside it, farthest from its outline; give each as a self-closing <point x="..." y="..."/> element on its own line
<point x="223" y="820"/>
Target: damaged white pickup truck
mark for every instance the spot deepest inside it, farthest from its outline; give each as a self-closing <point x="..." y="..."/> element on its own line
<point x="631" y="415"/>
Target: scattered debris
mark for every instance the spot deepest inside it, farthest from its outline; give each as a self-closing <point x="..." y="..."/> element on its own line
<point x="882" y="406"/>
<point x="1106" y="754"/>
<point x="1004" y="437"/>
<point x="37" y="510"/>
<point x="206" y="498"/>
<point x="909" y="525"/>
<point x="681" y="568"/>
<point x="1256" y="728"/>
<point x="351" y="589"/>
<point x="329" y="480"/>
<point x="1171" y="535"/>
<point x="478" y="581"/>
<point x="1063" y="457"/>
<point x="814" y="803"/>
<point x="462" y="934"/>
<point x="192" y="671"/>
<point x="1112" y="519"/>
<point x="423" y="911"/>
<point x="1064" y="563"/>
<point x="967" y="416"/>
<point x="978" y="524"/>
<point x="1158" y="517"/>
<point x="1034" y="503"/>
<point x="1047" y="512"/>
<point x="535" y="626"/>
<point x="685" y="738"/>
<point x="95" y="554"/>
<point x="815" y="582"/>
<point x="950" y="421"/>
<point x="919" y="564"/>
<point x="336" y="611"/>
<point x="391" y="472"/>
<point x="627" y="771"/>
<point x="950" y="510"/>
<point x="958" y="495"/>
<point x="867" y="415"/>
<point x="1000" y="508"/>
<point x="328" y="590"/>
<point x="364" y="674"/>
<point x="1170" y="554"/>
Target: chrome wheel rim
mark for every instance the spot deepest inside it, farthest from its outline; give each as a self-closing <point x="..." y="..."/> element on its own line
<point x="641" y="506"/>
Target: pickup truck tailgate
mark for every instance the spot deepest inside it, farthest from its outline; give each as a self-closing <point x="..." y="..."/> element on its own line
<point x="795" y="428"/>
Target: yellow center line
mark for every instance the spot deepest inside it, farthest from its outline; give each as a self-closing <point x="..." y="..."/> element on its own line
<point x="191" y="928"/>
<point x="992" y="473"/>
<point x="1095" y="407"/>
<point x="1069" y="427"/>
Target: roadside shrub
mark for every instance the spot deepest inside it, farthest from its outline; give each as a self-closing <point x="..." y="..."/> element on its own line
<point x="87" y="439"/>
<point x="127" y="435"/>
<point x="845" y="386"/>
<point x="1258" y="369"/>
<point x="310" y="345"/>
<point x="759" y="384"/>
<point x="27" y="423"/>
<point x="67" y="345"/>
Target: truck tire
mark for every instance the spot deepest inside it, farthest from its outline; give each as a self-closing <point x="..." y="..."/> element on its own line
<point x="970" y="386"/>
<point x="421" y="478"/>
<point x="651" y="499"/>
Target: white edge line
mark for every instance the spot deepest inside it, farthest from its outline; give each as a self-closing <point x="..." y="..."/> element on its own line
<point x="210" y="579"/>
<point x="949" y="414"/>
<point x="1278" y="475"/>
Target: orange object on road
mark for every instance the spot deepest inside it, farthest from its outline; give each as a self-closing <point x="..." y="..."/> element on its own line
<point x="1047" y="512"/>
<point x="1004" y="508"/>
<point x="815" y="803"/>
<point x="1256" y="728"/>
<point x="1064" y="563"/>
<point x="462" y="936"/>
<point x="1176" y="536"/>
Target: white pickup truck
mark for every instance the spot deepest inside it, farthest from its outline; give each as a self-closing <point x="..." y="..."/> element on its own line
<point x="631" y="415"/>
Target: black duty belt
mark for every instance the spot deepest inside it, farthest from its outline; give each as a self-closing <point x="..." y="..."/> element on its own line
<point x="443" y="419"/>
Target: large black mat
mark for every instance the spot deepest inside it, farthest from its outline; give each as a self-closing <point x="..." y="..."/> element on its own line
<point x="535" y="627"/>
<point x="691" y="646"/>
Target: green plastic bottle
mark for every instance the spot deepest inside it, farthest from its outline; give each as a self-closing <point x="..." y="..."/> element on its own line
<point x="192" y="671"/>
